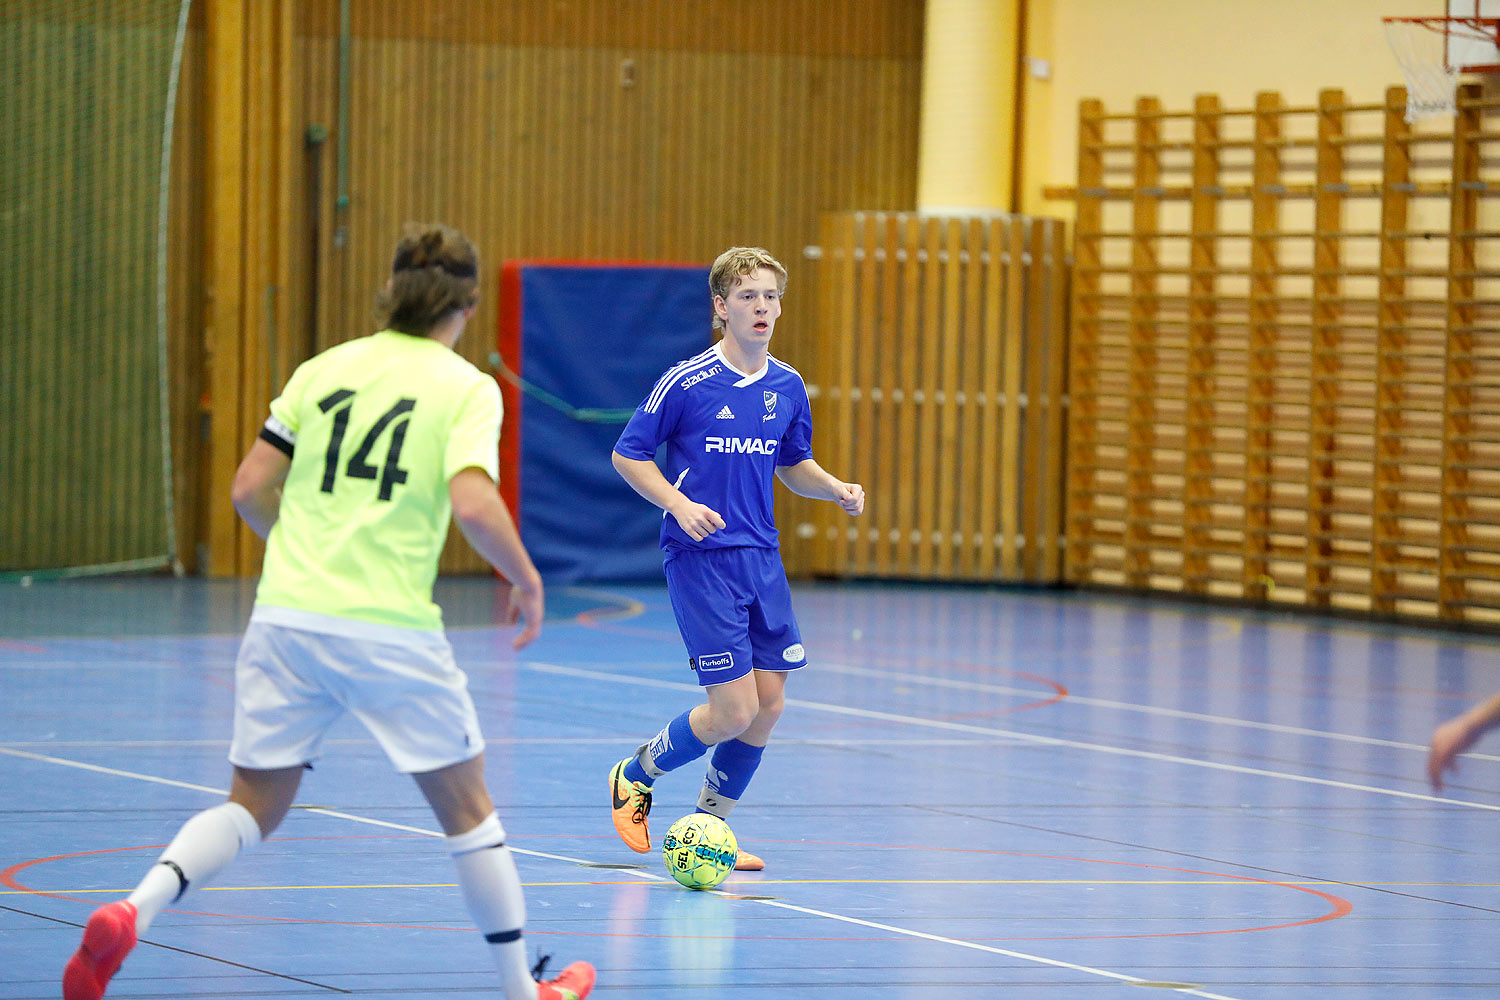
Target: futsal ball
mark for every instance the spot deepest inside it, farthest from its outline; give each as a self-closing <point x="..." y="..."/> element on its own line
<point x="700" y="850"/>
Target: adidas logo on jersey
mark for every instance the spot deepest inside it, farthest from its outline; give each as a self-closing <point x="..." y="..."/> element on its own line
<point x="725" y="414"/>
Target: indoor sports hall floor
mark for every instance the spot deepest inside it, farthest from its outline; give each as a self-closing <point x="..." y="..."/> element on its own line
<point x="973" y="793"/>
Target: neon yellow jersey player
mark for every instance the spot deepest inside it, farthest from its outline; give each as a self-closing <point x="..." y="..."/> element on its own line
<point x="368" y="552"/>
<point x="369" y="449"/>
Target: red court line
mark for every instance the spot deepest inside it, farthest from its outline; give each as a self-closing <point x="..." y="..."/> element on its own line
<point x="1339" y="907"/>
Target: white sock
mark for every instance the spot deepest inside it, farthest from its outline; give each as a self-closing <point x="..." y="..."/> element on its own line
<point x="492" y="890"/>
<point x="204" y="846"/>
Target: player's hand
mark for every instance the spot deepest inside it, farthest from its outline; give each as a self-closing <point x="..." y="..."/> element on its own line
<point x="696" y="520"/>
<point x="528" y="606"/>
<point x="1448" y="741"/>
<point x="851" y="498"/>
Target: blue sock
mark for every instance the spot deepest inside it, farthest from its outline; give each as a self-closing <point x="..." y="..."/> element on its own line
<point x="673" y="747"/>
<point x="733" y="766"/>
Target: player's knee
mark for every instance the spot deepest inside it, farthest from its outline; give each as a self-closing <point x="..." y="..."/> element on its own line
<point x="770" y="707"/>
<point x="732" y="719"/>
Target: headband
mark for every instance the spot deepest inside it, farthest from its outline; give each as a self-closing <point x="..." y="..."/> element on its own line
<point x="457" y="269"/>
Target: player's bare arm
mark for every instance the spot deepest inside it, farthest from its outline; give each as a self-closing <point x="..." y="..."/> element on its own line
<point x="1458" y="734"/>
<point x="257" y="486"/>
<point x="698" y="520"/>
<point x="487" y="524"/>
<point x="809" y="479"/>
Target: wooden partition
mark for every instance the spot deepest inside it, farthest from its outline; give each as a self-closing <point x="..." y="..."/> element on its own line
<point x="652" y="130"/>
<point x="936" y="371"/>
<point x="1285" y="375"/>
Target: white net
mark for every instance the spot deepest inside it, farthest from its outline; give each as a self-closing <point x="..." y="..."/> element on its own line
<point x="85" y="449"/>
<point x="1425" y="47"/>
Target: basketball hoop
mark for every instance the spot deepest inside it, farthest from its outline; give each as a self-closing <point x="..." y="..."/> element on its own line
<point x="1433" y="52"/>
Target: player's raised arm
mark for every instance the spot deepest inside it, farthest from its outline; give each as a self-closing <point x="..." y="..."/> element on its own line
<point x="698" y="520"/>
<point x="809" y="479"/>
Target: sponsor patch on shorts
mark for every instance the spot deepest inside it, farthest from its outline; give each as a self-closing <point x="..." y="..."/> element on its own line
<point x="794" y="653"/>
<point x="715" y="661"/>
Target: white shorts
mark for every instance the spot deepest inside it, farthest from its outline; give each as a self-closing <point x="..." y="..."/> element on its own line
<point x="292" y="684"/>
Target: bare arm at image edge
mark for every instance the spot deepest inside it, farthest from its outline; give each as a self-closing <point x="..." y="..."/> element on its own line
<point x="1458" y="734"/>
<point x="487" y="524"/>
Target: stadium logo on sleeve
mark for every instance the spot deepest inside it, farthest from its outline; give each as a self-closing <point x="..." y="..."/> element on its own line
<point x="697" y="377"/>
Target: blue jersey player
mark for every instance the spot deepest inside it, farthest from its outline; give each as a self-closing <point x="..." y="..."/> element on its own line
<point x="732" y="418"/>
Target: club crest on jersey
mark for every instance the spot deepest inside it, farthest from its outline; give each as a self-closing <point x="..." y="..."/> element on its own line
<point x="770" y="398"/>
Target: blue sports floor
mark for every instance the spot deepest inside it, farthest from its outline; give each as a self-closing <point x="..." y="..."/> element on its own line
<point x="973" y="793"/>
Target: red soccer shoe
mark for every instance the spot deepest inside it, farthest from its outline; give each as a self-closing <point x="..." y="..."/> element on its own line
<point x="107" y="939"/>
<point x="573" y="983"/>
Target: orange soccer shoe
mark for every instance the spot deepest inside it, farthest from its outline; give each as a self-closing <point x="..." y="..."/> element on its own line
<point x="630" y="804"/>
<point x="573" y="983"/>
<point x="107" y="939"/>
<point x="748" y="862"/>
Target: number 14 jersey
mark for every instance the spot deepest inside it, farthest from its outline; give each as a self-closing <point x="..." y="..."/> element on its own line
<point x="375" y="429"/>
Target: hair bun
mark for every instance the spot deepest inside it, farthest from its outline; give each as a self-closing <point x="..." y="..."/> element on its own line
<point x="435" y="271"/>
<point x="424" y="249"/>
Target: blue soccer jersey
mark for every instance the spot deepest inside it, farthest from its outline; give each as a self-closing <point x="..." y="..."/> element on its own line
<point x="726" y="432"/>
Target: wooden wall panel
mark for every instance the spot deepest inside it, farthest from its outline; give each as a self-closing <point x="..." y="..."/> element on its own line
<point x="248" y="115"/>
<point x="1331" y="347"/>
<point x="936" y="379"/>
<point x="797" y="27"/>
<point x="647" y="129"/>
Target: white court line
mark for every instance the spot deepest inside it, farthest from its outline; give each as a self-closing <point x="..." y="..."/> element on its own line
<point x="603" y="741"/>
<point x="116" y="772"/>
<point x="644" y="875"/>
<point x="976" y="946"/>
<point x="961" y="727"/>
<point x="1126" y="706"/>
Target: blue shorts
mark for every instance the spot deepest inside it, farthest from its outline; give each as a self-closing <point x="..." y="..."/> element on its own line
<point x="734" y="610"/>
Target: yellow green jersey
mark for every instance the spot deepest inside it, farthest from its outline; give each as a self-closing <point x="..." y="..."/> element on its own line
<point x="375" y="428"/>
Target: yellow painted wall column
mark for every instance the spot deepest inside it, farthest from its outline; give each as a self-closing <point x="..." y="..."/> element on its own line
<point x="251" y="143"/>
<point x="224" y="221"/>
<point x="967" y="135"/>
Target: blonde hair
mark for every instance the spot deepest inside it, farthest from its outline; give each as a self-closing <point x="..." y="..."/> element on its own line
<point x="736" y="263"/>
<point x="435" y="271"/>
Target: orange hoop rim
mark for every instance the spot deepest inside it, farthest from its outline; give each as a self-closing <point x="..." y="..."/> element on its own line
<point x="1483" y="27"/>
